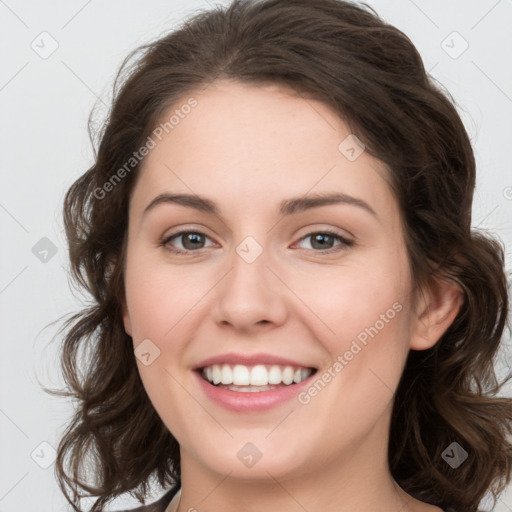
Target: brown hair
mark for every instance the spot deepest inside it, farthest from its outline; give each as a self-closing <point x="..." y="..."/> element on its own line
<point x="373" y="77"/>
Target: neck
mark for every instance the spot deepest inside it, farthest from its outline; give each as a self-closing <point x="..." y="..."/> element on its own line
<point x="358" y="479"/>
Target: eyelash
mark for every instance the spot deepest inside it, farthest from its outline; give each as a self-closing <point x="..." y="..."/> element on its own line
<point x="344" y="241"/>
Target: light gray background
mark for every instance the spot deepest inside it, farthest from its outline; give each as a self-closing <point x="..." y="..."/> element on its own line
<point x="44" y="105"/>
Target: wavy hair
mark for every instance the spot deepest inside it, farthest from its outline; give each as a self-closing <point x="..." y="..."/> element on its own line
<point x="372" y="76"/>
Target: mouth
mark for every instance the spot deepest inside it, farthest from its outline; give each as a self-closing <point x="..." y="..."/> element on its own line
<point x="254" y="378"/>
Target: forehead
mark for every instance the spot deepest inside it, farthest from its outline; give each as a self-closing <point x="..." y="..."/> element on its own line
<point x="249" y="145"/>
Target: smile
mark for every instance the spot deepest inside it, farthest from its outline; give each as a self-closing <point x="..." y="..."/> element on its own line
<point x="254" y="378"/>
<point x="252" y="388"/>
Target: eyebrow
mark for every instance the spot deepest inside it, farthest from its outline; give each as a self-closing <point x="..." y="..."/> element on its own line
<point x="287" y="206"/>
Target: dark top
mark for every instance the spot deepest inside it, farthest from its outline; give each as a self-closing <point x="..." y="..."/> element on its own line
<point x="162" y="503"/>
<point x="158" y="506"/>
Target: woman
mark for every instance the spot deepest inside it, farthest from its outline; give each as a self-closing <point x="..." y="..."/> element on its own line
<point x="292" y="311"/>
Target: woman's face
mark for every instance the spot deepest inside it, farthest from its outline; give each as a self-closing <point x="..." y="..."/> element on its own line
<point x="267" y="279"/>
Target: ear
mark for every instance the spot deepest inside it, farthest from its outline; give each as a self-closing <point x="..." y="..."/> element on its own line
<point x="437" y="307"/>
<point x="126" y="317"/>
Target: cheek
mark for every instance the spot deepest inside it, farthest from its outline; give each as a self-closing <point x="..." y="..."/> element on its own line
<point x="361" y="298"/>
<point x="158" y="297"/>
<point x="160" y="303"/>
<point x="364" y="328"/>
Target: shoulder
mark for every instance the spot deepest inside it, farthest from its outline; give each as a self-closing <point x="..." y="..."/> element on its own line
<point x="158" y="506"/>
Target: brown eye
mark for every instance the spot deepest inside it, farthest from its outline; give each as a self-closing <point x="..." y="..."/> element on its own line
<point x="190" y="241"/>
<point x="322" y="241"/>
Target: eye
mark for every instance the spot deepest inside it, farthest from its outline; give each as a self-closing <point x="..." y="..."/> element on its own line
<point x="323" y="240"/>
<point x="191" y="241"/>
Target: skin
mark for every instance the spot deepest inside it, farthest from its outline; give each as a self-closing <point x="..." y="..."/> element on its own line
<point x="247" y="148"/>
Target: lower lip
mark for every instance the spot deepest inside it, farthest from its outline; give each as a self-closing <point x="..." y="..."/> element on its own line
<point x="251" y="401"/>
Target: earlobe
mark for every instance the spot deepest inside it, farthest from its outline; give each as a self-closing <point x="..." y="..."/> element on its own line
<point x="438" y="306"/>
<point x="111" y="266"/>
<point x="126" y="319"/>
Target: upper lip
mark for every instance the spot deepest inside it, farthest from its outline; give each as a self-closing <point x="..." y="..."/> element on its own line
<point x="249" y="360"/>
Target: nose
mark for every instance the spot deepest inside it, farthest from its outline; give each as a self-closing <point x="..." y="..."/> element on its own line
<point x="251" y="296"/>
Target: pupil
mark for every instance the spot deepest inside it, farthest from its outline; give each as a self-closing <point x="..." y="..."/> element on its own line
<point x="319" y="238"/>
<point x="192" y="237"/>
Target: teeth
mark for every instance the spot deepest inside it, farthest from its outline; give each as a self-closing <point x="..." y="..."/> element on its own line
<point x="263" y="376"/>
<point x="227" y="375"/>
<point x="241" y="375"/>
<point x="216" y="374"/>
<point x="248" y="389"/>
<point x="275" y="375"/>
<point x="259" y="376"/>
<point x="288" y="375"/>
